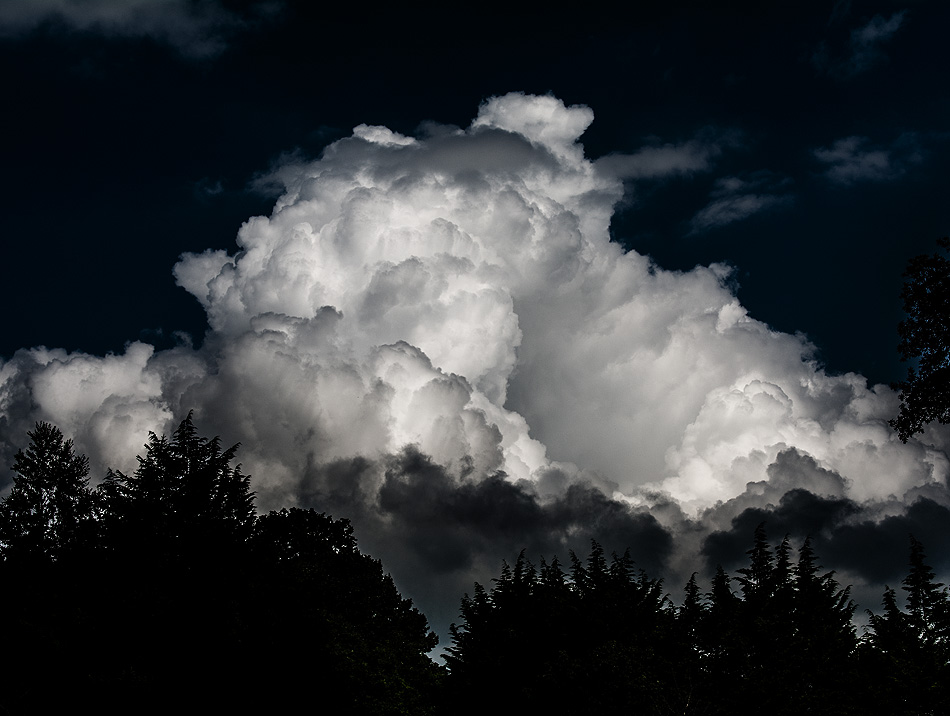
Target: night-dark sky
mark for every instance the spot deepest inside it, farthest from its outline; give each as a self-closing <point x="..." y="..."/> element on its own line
<point x="448" y="284"/>
<point x="125" y="147"/>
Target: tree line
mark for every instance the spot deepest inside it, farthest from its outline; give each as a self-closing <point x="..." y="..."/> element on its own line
<point x="602" y="637"/>
<point x="164" y="589"/>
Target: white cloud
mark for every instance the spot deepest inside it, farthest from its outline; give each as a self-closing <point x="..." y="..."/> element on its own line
<point x="525" y="334"/>
<point x="107" y="405"/>
<point x="543" y="120"/>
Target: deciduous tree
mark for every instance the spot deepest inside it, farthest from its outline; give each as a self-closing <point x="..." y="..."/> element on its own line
<point x="925" y="339"/>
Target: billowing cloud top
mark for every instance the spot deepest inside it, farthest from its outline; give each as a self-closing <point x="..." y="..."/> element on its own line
<point x="457" y="294"/>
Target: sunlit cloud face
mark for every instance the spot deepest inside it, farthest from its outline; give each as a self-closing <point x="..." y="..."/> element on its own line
<point x="429" y="332"/>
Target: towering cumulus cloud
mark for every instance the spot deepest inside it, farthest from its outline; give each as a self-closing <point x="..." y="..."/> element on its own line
<point x="436" y="337"/>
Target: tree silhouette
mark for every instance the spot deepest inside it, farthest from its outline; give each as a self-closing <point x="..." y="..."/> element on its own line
<point x="785" y="645"/>
<point x="186" y="600"/>
<point x="925" y="338"/>
<point x="756" y="579"/>
<point x="905" y="658"/>
<point x="722" y="647"/>
<point x="823" y="641"/>
<point x="49" y="512"/>
<point x="603" y="640"/>
<point x="184" y="502"/>
<point x="927" y="601"/>
<point x="329" y="617"/>
<point x="164" y="586"/>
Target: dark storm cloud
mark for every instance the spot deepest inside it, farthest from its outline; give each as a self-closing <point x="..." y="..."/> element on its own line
<point x="798" y="514"/>
<point x="865" y="541"/>
<point x="453" y="522"/>
<point x="439" y="532"/>
<point x="448" y="522"/>
<point x="877" y="549"/>
<point x="343" y="488"/>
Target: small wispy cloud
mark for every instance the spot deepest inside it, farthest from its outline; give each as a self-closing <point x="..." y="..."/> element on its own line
<point x="854" y="159"/>
<point x="866" y="41"/>
<point x="207" y="188"/>
<point x="658" y="160"/>
<point x="865" y="48"/>
<point x="196" y="30"/>
<point x="736" y="198"/>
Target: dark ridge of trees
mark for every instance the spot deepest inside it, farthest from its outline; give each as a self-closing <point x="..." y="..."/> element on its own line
<point x="596" y="641"/>
<point x="163" y="591"/>
<point x="777" y="638"/>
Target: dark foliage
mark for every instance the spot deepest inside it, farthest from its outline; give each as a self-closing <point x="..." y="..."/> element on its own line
<point x="925" y="339"/>
<point x="598" y="641"/>
<point x="49" y="513"/>
<point x="332" y="622"/>
<point x="184" y="503"/>
<point x="905" y="658"/>
<point x="607" y="639"/>
<point x="785" y="645"/>
<point x="162" y="591"/>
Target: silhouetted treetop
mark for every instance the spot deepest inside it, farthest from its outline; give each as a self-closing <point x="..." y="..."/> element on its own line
<point x="184" y="498"/>
<point x="49" y="511"/>
<point x="905" y="657"/>
<point x="925" y="338"/>
<point x="181" y="594"/>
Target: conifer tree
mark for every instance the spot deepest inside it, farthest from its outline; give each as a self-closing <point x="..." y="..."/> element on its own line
<point x="49" y="512"/>
<point x="906" y="655"/>
<point x="184" y="501"/>
<point x="690" y="620"/>
<point x="756" y="579"/>
<point x="927" y="600"/>
<point x="822" y="647"/>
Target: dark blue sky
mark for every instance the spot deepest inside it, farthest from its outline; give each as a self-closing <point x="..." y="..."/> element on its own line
<point x="127" y="144"/>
